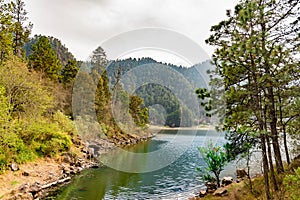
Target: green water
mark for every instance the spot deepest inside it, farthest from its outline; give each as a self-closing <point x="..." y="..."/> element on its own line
<point x="178" y="179"/>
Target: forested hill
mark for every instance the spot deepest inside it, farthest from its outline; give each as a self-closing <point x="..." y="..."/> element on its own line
<point x="173" y="111"/>
<point x="62" y="52"/>
<point x="196" y="74"/>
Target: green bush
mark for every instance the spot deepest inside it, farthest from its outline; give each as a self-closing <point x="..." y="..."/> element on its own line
<point x="13" y="149"/>
<point x="47" y="139"/>
<point x="65" y="123"/>
<point x="291" y="183"/>
<point x="24" y="141"/>
<point x="215" y="159"/>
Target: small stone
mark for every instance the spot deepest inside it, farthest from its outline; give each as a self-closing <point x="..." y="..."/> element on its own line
<point x="220" y="192"/>
<point x="227" y="180"/>
<point x="210" y="190"/>
<point x="14" y="167"/>
<point x="211" y="185"/>
<point x="67" y="158"/>
<point x="25" y="173"/>
<point x="34" y="188"/>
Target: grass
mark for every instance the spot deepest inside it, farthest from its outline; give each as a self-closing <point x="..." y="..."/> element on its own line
<point x="13" y="183"/>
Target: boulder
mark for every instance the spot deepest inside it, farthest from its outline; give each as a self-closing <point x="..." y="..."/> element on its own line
<point x="220" y="192"/>
<point x="14" y="167"/>
<point x="202" y="193"/>
<point x="241" y="173"/>
<point x="227" y="180"/>
<point x="211" y="187"/>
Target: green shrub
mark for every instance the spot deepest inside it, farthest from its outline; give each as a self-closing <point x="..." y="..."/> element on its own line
<point x="13" y="149"/>
<point x="291" y="183"/>
<point x="65" y="123"/>
<point x="215" y="159"/>
<point x="47" y="139"/>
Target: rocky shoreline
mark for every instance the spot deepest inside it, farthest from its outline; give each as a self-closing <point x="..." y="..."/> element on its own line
<point x="39" y="179"/>
<point x="35" y="180"/>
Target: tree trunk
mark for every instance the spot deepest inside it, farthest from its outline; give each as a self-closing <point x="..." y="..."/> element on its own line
<point x="218" y="179"/>
<point x="274" y="133"/>
<point x="285" y="145"/>
<point x="248" y="171"/>
<point x="273" y="177"/>
<point x="283" y="129"/>
<point x="265" y="166"/>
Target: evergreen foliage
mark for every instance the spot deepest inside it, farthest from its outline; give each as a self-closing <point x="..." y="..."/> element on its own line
<point x="256" y="74"/>
<point x="44" y="59"/>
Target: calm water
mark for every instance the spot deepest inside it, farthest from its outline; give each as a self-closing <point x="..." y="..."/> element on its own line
<point x="178" y="180"/>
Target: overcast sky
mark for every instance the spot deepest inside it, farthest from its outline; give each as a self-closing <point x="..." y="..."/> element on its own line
<point x="82" y="25"/>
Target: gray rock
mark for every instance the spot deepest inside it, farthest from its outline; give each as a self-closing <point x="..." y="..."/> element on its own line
<point x="202" y="193"/>
<point x="36" y="187"/>
<point x="220" y="192"/>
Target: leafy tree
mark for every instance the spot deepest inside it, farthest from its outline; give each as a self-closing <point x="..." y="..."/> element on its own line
<point x="44" y="59"/>
<point x="21" y="29"/>
<point x="215" y="159"/>
<point x="25" y="93"/>
<point x="99" y="59"/>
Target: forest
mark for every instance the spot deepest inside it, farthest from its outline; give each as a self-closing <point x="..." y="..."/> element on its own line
<point x="253" y="92"/>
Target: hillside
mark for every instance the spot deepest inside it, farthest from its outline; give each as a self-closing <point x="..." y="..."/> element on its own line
<point x="168" y="90"/>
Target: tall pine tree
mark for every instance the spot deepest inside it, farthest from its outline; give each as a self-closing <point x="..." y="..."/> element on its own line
<point x="256" y="45"/>
<point x="44" y="59"/>
<point x="6" y="35"/>
<point x="21" y="28"/>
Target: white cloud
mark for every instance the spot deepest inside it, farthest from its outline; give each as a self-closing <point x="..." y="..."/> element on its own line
<point x="82" y="25"/>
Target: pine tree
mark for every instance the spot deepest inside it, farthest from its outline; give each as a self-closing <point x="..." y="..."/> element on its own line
<point x="44" y="59"/>
<point x="256" y="45"/>
<point x="6" y="36"/>
<point x="69" y="72"/>
<point x="21" y="29"/>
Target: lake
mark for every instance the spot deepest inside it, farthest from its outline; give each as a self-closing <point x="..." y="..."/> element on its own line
<point x="147" y="177"/>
